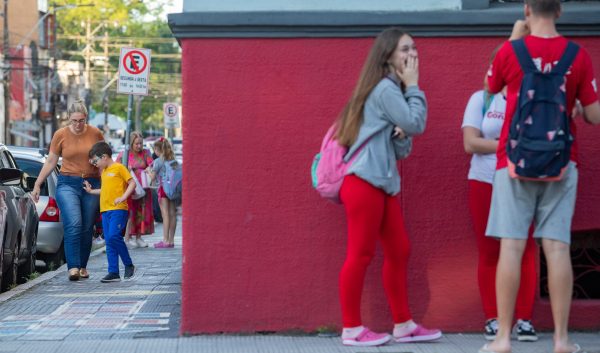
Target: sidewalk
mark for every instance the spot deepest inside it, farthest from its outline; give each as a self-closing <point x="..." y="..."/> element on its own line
<point x="51" y="314"/>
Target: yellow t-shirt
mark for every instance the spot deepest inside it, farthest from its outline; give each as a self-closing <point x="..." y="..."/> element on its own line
<point x="114" y="184"/>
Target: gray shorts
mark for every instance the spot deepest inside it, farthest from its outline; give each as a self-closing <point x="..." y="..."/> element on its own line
<point x="515" y="203"/>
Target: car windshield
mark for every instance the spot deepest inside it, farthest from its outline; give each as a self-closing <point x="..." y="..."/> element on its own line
<point x="32" y="169"/>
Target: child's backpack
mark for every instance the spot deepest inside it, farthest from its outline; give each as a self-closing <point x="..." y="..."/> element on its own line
<point x="328" y="167"/>
<point x="539" y="138"/>
<point x="172" y="182"/>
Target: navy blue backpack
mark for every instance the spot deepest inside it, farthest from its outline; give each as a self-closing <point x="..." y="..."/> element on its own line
<point x="539" y="138"/>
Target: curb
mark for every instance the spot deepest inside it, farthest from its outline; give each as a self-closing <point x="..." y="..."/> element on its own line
<point x="22" y="288"/>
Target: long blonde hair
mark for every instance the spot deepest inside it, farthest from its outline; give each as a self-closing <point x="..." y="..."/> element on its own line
<point x="375" y="68"/>
<point x="164" y="146"/>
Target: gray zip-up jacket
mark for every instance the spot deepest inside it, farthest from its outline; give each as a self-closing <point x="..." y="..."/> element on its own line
<point x="385" y="108"/>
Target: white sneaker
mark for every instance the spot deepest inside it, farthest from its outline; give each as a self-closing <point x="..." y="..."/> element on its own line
<point x="131" y="244"/>
<point x="99" y="241"/>
<point x="141" y="243"/>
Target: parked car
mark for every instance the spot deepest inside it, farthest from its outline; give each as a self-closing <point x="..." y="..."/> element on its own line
<point x="50" y="245"/>
<point x="20" y="223"/>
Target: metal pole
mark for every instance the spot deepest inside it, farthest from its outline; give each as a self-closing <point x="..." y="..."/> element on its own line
<point x="55" y="76"/>
<point x="138" y="113"/>
<point x="125" y="158"/>
<point x="105" y="95"/>
<point x="6" y="76"/>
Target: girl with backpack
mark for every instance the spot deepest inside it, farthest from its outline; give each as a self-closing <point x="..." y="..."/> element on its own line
<point x="168" y="207"/>
<point x="482" y="123"/>
<point x="385" y="110"/>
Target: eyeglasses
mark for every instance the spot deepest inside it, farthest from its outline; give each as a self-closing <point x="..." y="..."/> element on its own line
<point x="94" y="161"/>
<point x="77" y="121"/>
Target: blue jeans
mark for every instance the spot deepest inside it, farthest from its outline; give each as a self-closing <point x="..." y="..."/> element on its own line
<point x="114" y="223"/>
<point x="78" y="212"/>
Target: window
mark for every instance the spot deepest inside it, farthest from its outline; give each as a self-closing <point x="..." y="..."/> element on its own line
<point x="585" y="258"/>
<point x="32" y="169"/>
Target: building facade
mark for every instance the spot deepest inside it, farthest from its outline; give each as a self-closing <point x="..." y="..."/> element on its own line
<point x="262" y="251"/>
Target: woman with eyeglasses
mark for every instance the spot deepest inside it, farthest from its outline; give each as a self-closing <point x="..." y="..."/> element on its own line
<point x="78" y="208"/>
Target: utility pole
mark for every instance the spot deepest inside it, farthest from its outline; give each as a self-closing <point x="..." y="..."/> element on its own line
<point x="55" y="76"/>
<point x="6" y="76"/>
<point x="105" y="96"/>
<point x="88" y="53"/>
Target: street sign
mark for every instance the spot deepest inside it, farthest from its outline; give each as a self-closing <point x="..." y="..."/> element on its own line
<point x="134" y="71"/>
<point x="171" y="112"/>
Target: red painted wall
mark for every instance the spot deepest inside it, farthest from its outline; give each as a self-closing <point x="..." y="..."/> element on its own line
<point x="262" y="250"/>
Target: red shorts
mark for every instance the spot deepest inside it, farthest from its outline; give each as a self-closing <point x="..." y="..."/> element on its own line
<point x="161" y="193"/>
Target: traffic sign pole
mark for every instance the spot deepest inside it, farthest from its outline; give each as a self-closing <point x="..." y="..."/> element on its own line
<point x="125" y="159"/>
<point x="134" y="78"/>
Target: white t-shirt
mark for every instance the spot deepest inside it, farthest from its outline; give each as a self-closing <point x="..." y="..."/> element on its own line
<point x="483" y="166"/>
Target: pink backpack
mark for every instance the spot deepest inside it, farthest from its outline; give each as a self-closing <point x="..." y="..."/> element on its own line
<point x="328" y="167"/>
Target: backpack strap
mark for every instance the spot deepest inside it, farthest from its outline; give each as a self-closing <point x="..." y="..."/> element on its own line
<point x="527" y="64"/>
<point x="567" y="59"/>
<point x="487" y="102"/>
<point x="523" y="56"/>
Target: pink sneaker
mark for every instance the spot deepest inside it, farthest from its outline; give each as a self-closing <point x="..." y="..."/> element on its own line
<point x="161" y="245"/>
<point x="367" y="338"/>
<point x="419" y="334"/>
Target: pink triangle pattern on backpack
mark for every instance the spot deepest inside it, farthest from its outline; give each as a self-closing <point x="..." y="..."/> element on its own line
<point x="328" y="167"/>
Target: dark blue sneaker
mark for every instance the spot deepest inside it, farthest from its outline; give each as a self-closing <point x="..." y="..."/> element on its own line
<point x="129" y="272"/>
<point x="490" y="329"/>
<point x="111" y="277"/>
<point x="525" y="331"/>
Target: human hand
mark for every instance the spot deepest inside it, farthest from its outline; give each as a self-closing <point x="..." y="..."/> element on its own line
<point x="118" y="200"/>
<point x="409" y="71"/>
<point x="398" y="133"/>
<point x="87" y="186"/>
<point x="577" y="110"/>
<point x="35" y="193"/>
<point x="520" y="30"/>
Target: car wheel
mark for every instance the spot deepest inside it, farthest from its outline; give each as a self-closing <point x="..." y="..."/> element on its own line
<point x="28" y="267"/>
<point x="10" y="280"/>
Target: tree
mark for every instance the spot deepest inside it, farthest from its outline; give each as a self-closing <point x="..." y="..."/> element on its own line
<point x="128" y="23"/>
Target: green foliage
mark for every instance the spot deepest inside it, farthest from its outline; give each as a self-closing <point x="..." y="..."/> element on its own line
<point x="33" y="276"/>
<point x="128" y="23"/>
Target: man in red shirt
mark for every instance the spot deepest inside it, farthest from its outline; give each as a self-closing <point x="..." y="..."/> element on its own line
<point x="515" y="203"/>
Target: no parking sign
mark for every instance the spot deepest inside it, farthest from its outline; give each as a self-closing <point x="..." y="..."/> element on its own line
<point x="134" y="71"/>
<point x="171" y="112"/>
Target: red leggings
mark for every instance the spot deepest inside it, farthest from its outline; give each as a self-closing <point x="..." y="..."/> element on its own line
<point x="480" y="196"/>
<point x="372" y="214"/>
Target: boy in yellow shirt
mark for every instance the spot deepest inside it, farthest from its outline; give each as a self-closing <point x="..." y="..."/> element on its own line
<point x="117" y="185"/>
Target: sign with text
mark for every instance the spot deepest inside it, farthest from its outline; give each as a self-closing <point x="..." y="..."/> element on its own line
<point x="171" y="111"/>
<point x="134" y="71"/>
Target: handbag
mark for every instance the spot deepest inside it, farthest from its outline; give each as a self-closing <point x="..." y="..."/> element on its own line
<point x="144" y="180"/>
<point x="139" y="192"/>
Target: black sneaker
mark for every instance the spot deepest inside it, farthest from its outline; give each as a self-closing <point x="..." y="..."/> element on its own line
<point x="490" y="329"/>
<point x="111" y="277"/>
<point x="525" y="331"/>
<point x="129" y="272"/>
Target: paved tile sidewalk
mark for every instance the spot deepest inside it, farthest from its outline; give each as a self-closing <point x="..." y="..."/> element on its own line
<point x="455" y="343"/>
<point x="52" y="314"/>
<point x="57" y="309"/>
